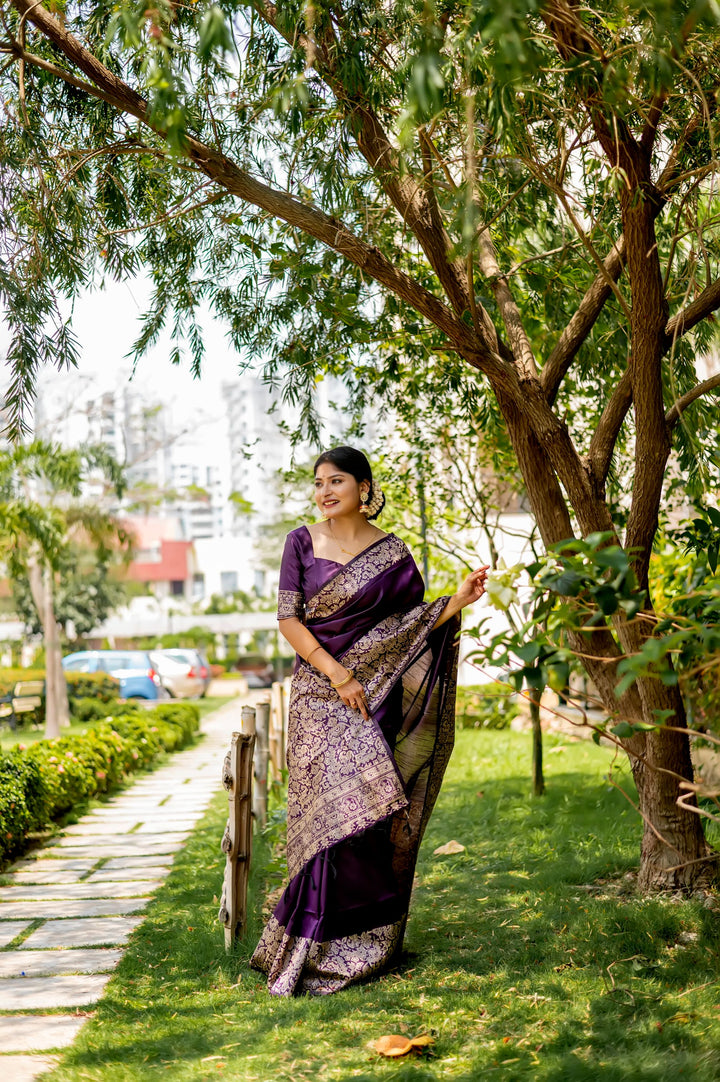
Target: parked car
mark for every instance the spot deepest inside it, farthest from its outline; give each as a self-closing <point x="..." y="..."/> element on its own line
<point x="184" y="672"/>
<point x="257" y="680"/>
<point x="132" y="668"/>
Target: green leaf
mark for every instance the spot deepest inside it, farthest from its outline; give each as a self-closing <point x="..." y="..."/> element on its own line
<point x="214" y="34"/>
<point x="623" y="730"/>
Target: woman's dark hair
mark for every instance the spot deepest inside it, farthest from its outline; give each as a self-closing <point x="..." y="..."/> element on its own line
<point x="354" y="462"/>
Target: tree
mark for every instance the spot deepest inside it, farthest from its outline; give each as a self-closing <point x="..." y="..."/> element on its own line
<point x="89" y="588"/>
<point x="501" y="206"/>
<point x="40" y="517"/>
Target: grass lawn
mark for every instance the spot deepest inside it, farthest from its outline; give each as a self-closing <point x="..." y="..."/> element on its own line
<point x="528" y="957"/>
<point x="26" y="735"/>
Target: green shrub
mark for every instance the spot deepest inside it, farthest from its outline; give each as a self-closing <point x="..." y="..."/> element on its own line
<point x="99" y="686"/>
<point x="95" y="685"/>
<point x="485" y="706"/>
<point x="23" y="801"/>
<point x="49" y="778"/>
<point x="10" y="677"/>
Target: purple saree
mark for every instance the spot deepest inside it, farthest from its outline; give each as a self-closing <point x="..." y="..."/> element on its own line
<point x="359" y="792"/>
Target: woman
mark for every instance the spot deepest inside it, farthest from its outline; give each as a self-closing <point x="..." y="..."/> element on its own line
<point x="370" y="730"/>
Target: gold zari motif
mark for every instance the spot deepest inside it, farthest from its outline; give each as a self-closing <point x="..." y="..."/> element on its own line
<point x="355" y="575"/>
<point x="324" y="967"/>
<point x="290" y="603"/>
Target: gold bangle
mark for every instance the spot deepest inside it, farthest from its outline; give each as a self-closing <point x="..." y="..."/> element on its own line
<point x="342" y="683"/>
<point x="307" y="659"/>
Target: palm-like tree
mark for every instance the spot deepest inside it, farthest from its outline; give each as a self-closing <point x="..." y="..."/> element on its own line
<point x="41" y="509"/>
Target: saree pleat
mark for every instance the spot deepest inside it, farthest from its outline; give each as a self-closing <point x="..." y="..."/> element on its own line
<point x="359" y="792"/>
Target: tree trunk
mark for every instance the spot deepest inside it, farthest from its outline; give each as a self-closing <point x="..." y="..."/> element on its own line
<point x="56" y="701"/>
<point x="538" y="781"/>
<point x="675" y="854"/>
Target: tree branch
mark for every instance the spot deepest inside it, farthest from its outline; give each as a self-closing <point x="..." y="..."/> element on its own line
<point x="602" y="444"/>
<point x="681" y="404"/>
<point x="582" y="322"/>
<point x="519" y="341"/>
<point x="695" y="313"/>
<point x="224" y="171"/>
<point x="590" y="307"/>
<point x="407" y="196"/>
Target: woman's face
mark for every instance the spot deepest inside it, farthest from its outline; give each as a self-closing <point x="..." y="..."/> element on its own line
<point x="337" y="493"/>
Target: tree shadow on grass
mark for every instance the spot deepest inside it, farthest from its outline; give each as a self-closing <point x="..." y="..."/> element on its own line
<point x="524" y="957"/>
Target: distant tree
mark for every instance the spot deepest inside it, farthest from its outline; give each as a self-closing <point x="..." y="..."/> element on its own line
<point x="41" y="511"/>
<point x="506" y="205"/>
<point x="89" y="588"/>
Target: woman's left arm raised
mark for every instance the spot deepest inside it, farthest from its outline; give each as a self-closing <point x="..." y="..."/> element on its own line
<point x="470" y="591"/>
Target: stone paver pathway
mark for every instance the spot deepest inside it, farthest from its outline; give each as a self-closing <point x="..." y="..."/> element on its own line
<point x="72" y="906"/>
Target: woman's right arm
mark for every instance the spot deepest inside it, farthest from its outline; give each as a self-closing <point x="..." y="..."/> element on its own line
<point x="305" y="644"/>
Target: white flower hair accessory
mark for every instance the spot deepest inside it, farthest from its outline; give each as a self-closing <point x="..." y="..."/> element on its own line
<point x="375" y="502"/>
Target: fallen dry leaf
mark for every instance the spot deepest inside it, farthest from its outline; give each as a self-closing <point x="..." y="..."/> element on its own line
<point x="448" y="849"/>
<point x="393" y="1044"/>
<point x="422" y="1040"/>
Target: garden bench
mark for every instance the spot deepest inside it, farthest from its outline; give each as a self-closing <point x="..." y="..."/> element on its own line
<point x="26" y="696"/>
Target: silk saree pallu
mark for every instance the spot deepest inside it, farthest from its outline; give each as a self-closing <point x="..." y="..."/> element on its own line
<point x="359" y="792"/>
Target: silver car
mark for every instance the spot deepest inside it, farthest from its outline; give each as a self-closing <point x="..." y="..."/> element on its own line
<point x="184" y="673"/>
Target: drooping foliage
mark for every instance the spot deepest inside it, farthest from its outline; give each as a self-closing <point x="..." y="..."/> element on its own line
<point x="504" y="213"/>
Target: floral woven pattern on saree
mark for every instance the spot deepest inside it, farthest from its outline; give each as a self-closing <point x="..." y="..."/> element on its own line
<point x="359" y="792"/>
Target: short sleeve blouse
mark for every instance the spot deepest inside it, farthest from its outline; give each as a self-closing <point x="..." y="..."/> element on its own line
<point x="291" y="595"/>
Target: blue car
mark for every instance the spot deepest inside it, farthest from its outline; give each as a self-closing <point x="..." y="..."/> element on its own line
<point x="132" y="668"/>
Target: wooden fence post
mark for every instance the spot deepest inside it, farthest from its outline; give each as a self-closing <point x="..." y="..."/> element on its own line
<point x="247" y="713"/>
<point x="262" y="724"/>
<point x="237" y="778"/>
<point x="277" y="742"/>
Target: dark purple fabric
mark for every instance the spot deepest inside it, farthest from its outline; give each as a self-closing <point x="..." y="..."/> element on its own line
<point x="300" y="569"/>
<point x="354" y="885"/>
<point x="351" y="886"/>
<point x="304" y="573"/>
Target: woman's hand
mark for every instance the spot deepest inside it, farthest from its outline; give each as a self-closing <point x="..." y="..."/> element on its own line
<point x="473" y="588"/>
<point x="353" y="695"/>
<point x="470" y="591"/>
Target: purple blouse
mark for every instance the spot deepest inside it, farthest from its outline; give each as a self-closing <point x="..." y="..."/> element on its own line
<point x="302" y="573"/>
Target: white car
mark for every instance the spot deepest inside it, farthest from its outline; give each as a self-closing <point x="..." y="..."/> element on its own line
<point x="181" y="671"/>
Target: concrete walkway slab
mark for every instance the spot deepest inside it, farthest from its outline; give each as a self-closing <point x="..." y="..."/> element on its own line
<point x="102" y="826"/>
<point x="96" y="907"/>
<point x="44" y="963"/>
<point x="44" y="891"/>
<point x="41" y="993"/>
<point x="126" y="845"/>
<point x="11" y="928"/>
<point x="158" y="826"/>
<point x="44" y="874"/>
<point x="152" y="860"/>
<point x="117" y="875"/>
<point x="26" y="1068"/>
<point x="68" y="932"/>
<point x="37" y="1033"/>
<point x="41" y="863"/>
<point x="102" y="843"/>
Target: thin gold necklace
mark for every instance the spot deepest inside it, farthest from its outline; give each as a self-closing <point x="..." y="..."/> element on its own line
<point x="346" y="551"/>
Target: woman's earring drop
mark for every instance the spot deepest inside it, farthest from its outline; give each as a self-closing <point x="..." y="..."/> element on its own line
<point x="363" y="500"/>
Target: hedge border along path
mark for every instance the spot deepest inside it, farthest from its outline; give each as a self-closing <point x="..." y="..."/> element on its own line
<point x="71" y="907"/>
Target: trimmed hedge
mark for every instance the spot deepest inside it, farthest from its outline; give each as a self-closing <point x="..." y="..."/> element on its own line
<point x="486" y="706"/>
<point x="42" y="782"/>
<point x="101" y="686"/>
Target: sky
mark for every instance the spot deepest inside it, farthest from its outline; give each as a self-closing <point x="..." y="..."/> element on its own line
<point x="106" y="322"/>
